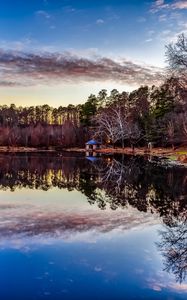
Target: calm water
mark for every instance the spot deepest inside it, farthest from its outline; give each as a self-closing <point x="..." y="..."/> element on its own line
<point x="78" y="228"/>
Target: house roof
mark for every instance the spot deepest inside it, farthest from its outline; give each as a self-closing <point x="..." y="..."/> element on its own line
<point x="93" y="142"/>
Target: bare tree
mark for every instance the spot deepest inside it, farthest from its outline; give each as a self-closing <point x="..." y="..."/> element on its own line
<point x="116" y="123"/>
<point x="177" y="58"/>
<point x="120" y="119"/>
<point x="107" y="127"/>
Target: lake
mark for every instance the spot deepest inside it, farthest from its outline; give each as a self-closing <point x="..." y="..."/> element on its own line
<point x="92" y="228"/>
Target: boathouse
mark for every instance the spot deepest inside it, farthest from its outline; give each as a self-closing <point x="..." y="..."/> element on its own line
<point x="93" y="145"/>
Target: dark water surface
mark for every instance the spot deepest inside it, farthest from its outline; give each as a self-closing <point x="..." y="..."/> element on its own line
<point x="78" y="228"/>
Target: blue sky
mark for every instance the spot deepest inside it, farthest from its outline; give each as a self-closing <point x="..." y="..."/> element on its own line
<point x="65" y="35"/>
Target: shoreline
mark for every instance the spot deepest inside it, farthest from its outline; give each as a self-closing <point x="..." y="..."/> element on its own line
<point x="137" y="151"/>
<point x="177" y="154"/>
<point x="144" y="151"/>
<point x="6" y="149"/>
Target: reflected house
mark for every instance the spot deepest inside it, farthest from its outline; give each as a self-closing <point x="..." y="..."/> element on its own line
<point x="90" y="154"/>
<point x="92" y="158"/>
<point x="93" y="145"/>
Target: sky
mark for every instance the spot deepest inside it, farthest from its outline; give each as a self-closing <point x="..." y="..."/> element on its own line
<point x="58" y="52"/>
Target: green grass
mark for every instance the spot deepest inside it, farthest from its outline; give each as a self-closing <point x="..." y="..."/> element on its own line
<point x="172" y="157"/>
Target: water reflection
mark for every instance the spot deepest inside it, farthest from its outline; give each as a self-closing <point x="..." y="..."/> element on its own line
<point x="122" y="193"/>
<point x="174" y="248"/>
<point x="106" y="182"/>
<point x="113" y="182"/>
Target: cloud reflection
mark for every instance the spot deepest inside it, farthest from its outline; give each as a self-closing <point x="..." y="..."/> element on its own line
<point x="21" y="226"/>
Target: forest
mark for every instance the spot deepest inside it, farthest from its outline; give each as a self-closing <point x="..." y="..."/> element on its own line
<point x="156" y="114"/>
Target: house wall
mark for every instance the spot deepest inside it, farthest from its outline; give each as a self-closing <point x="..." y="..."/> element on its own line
<point x="92" y="147"/>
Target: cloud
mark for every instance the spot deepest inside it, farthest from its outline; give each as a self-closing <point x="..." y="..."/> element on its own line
<point x="172" y="12"/>
<point x="150" y="35"/>
<point x="49" y="68"/>
<point x="175" y="5"/>
<point x="159" y="5"/>
<point x="8" y="83"/>
<point x="163" y="18"/>
<point x="148" y="40"/>
<point x="171" y="36"/>
<point x="100" y="21"/>
<point x="180" y="5"/>
<point x="43" y="13"/>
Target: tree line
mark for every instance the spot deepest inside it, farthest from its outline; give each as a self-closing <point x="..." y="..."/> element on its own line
<point x="156" y="114"/>
<point x="39" y="126"/>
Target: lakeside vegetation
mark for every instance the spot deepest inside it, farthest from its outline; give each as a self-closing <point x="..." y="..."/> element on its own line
<point x="156" y="115"/>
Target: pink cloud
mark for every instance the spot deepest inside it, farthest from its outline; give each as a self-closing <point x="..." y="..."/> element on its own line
<point x="180" y="5"/>
<point x="20" y="68"/>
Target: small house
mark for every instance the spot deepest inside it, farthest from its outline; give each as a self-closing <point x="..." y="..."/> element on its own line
<point x="93" y="145"/>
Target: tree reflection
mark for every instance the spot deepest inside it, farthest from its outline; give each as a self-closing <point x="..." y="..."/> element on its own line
<point x="144" y="185"/>
<point x="173" y="246"/>
<point x="150" y="187"/>
<point x="114" y="182"/>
